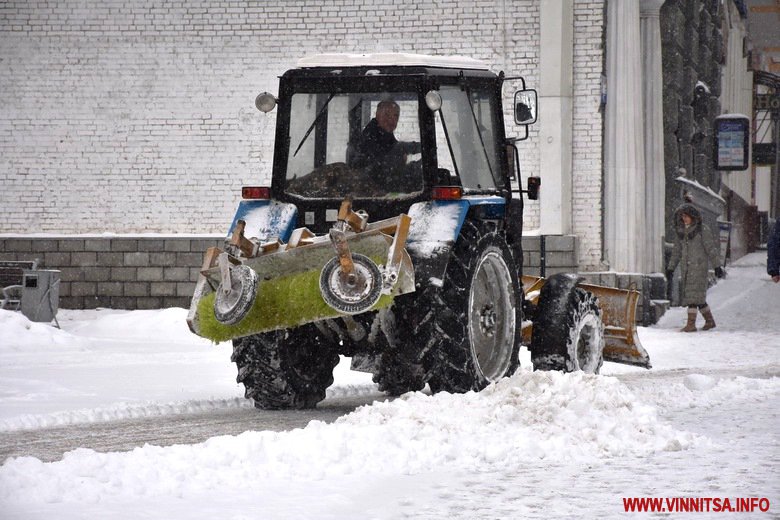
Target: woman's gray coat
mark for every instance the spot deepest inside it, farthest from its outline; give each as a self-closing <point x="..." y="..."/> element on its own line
<point x="693" y="249"/>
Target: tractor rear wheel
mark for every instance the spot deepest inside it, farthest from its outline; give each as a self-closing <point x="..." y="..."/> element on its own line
<point x="285" y="369"/>
<point x="472" y="330"/>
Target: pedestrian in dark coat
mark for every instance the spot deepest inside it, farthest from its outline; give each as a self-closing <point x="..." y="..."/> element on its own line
<point x="693" y="250"/>
<point x="773" y="253"/>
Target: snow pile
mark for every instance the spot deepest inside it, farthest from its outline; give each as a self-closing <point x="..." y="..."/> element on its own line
<point x="117" y="412"/>
<point x="162" y="325"/>
<point x="546" y="415"/>
<point x="18" y="334"/>
<point x="107" y="365"/>
<point x="703" y="391"/>
<point x="531" y="416"/>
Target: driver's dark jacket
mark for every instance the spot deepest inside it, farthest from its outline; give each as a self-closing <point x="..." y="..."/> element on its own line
<point x="379" y="148"/>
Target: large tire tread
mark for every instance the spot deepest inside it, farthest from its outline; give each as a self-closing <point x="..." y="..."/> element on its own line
<point x="285" y="369"/>
<point x="559" y="349"/>
<point x="397" y="371"/>
<point x="442" y="333"/>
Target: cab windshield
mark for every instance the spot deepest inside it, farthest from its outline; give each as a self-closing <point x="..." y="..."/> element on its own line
<point x="466" y="145"/>
<point x="361" y="144"/>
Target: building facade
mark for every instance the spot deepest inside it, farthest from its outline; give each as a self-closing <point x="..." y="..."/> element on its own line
<point x="128" y="123"/>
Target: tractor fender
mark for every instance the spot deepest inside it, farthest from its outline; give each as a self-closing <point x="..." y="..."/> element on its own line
<point x="435" y="228"/>
<point x="265" y="219"/>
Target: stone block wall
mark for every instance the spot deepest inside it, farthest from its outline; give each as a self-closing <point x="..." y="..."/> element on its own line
<point x="559" y="255"/>
<point x="121" y="273"/>
<point x="692" y="57"/>
<point x="157" y="272"/>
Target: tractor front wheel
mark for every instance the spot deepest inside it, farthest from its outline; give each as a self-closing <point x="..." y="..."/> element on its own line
<point x="285" y="369"/>
<point x="568" y="333"/>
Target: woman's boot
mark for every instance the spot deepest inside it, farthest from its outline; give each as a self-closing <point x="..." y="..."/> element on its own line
<point x="691" y="325"/>
<point x="709" y="321"/>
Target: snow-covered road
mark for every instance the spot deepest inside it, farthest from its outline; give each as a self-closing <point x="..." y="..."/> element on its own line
<point x="49" y="444"/>
<point x="703" y="423"/>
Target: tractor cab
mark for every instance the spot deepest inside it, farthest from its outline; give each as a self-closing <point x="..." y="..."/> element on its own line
<point x="333" y="141"/>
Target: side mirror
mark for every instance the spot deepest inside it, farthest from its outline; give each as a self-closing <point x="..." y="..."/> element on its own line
<point x="533" y="188"/>
<point x="525" y="107"/>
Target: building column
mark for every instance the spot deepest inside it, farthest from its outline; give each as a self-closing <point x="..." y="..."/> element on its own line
<point x="556" y="20"/>
<point x="624" y="176"/>
<point x="652" y="99"/>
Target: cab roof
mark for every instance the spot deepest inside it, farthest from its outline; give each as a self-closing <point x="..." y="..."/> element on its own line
<point x="391" y="60"/>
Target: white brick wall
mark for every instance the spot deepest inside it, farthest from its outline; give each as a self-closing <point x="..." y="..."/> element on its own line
<point x="128" y="117"/>
<point x="524" y="36"/>
<point x="587" y="135"/>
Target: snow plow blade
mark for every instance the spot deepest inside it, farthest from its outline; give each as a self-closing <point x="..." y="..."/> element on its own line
<point x="274" y="286"/>
<point x="618" y="308"/>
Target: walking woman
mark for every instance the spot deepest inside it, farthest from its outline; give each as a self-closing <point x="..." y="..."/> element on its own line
<point x="773" y="253"/>
<point x="693" y="249"/>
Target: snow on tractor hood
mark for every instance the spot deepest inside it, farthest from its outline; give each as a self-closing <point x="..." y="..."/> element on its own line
<point x="265" y="219"/>
<point x="436" y="225"/>
<point x="434" y="228"/>
<point x="391" y="59"/>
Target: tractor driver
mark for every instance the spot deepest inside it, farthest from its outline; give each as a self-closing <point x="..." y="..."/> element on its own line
<point x="378" y="148"/>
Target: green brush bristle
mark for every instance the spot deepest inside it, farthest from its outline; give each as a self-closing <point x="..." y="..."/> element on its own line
<point x="281" y="303"/>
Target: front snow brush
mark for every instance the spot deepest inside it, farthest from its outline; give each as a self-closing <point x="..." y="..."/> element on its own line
<point x="254" y="287"/>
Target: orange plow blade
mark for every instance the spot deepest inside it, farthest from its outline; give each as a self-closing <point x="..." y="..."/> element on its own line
<point x="618" y="312"/>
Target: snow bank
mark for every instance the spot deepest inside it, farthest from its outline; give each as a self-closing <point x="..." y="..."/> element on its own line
<point x="107" y="365"/>
<point x="117" y="412"/>
<point x="125" y="410"/>
<point x="18" y="334"/>
<point x="705" y="391"/>
<point x="530" y="416"/>
<point x="165" y="326"/>
<point x="162" y="326"/>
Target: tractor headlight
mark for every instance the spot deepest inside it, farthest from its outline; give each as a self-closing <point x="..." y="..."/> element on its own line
<point x="265" y="102"/>
<point x="433" y="100"/>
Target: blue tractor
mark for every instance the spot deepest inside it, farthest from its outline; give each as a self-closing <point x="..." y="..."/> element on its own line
<point x="391" y="234"/>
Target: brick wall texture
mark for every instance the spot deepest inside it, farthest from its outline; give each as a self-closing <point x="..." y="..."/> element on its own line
<point x="587" y="132"/>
